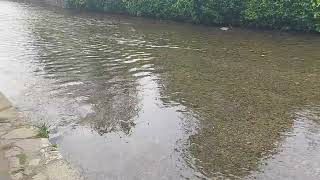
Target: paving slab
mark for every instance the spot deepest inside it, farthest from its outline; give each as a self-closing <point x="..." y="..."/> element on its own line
<point x="21" y="133"/>
<point x="61" y="170"/>
<point x="8" y="115"/>
<point x="4" y="103"/>
<point x="25" y="156"/>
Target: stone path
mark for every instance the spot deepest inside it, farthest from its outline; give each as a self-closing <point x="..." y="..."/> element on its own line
<point x="25" y="156"/>
<point x="4" y="167"/>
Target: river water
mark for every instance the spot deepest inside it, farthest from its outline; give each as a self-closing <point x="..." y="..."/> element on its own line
<point x="134" y="98"/>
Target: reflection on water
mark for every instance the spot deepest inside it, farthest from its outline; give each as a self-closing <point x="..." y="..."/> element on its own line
<point x="129" y="98"/>
<point x="151" y="150"/>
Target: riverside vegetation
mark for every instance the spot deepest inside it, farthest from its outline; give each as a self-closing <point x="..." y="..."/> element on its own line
<point x="154" y="99"/>
<point x="301" y="15"/>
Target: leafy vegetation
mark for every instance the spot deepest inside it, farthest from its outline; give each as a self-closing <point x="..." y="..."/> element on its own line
<point x="43" y="131"/>
<point x="288" y="14"/>
<point x="277" y="14"/>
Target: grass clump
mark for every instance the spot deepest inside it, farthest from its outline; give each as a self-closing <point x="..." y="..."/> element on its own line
<point x="43" y="131"/>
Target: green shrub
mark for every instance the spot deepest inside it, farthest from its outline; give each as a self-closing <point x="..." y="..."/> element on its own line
<point x="114" y="6"/>
<point x="182" y="9"/>
<point x="97" y="5"/>
<point x="289" y="14"/>
<point x="75" y="3"/>
<point x="154" y="8"/>
<point x="279" y="14"/>
<point x="316" y="6"/>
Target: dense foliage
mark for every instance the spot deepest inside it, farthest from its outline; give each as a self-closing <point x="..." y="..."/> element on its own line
<point x="296" y="14"/>
<point x="279" y="14"/>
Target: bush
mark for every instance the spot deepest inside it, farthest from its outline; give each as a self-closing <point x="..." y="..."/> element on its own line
<point x="154" y="8"/>
<point x="113" y="6"/>
<point x="316" y="6"/>
<point x="288" y="14"/>
<point x="279" y="14"/>
<point x="97" y="5"/>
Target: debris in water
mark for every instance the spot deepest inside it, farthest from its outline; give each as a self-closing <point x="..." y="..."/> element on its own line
<point x="224" y="28"/>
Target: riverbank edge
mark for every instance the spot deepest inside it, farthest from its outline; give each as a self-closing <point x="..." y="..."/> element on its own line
<point x="63" y="4"/>
<point x="28" y="156"/>
<point x="267" y="21"/>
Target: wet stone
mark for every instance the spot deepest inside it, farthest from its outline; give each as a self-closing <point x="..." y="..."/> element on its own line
<point x="4" y="103"/>
<point x="30" y="145"/>
<point x="34" y="162"/>
<point x="2" y="133"/>
<point x="17" y="176"/>
<point x="7" y="115"/>
<point x="4" y="171"/>
<point x="28" y="171"/>
<point x="6" y="143"/>
<point x="39" y="177"/>
<point x="4" y="128"/>
<point x="61" y="170"/>
<point x="21" y="133"/>
<point x="45" y="142"/>
<point x="22" y="143"/>
<point x="50" y="156"/>
<point x="12" y="152"/>
<point x="14" y="164"/>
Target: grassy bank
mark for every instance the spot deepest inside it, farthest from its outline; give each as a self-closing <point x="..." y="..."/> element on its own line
<point x="301" y="15"/>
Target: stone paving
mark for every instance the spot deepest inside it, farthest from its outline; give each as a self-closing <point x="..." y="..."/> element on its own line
<point x="27" y="156"/>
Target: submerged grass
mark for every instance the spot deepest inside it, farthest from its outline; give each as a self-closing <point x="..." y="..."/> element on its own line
<point x="246" y="101"/>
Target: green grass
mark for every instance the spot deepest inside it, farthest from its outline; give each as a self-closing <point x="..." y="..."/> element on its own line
<point x="43" y="131"/>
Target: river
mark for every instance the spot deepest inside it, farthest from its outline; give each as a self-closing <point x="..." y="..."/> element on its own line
<point x="135" y="98"/>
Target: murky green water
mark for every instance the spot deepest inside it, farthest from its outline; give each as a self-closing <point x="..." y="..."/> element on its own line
<point x="130" y="98"/>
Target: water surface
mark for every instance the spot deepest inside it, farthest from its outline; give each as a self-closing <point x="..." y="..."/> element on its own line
<point x="132" y="98"/>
